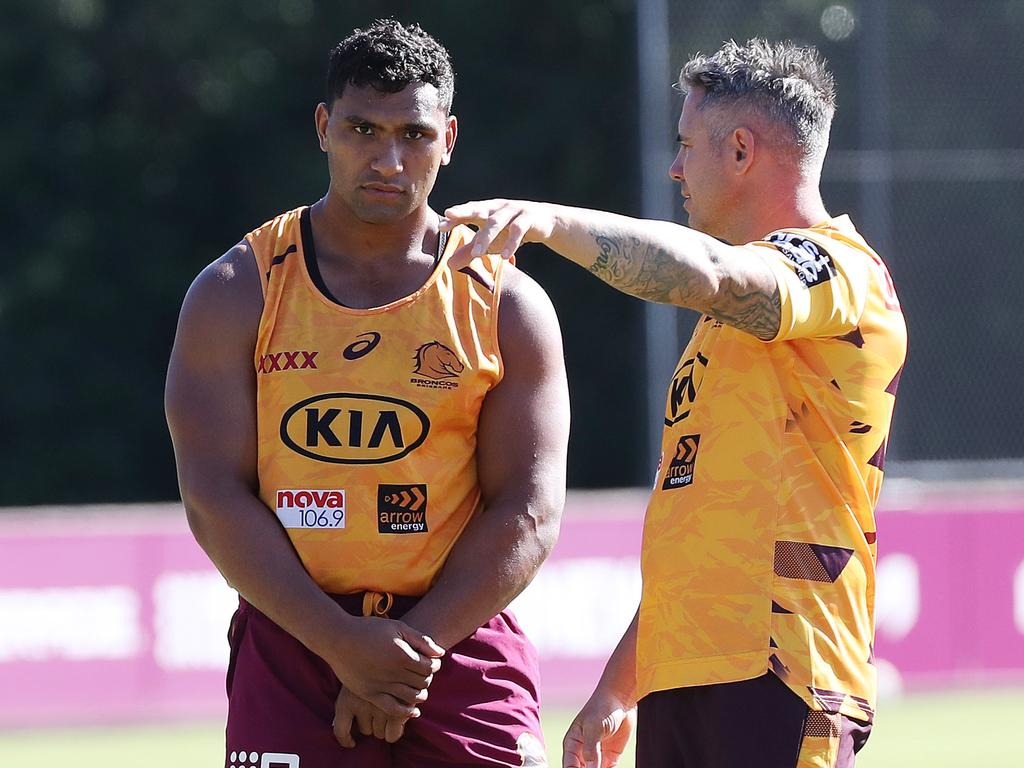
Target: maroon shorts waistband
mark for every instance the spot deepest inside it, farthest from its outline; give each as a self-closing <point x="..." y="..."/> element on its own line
<point x="354" y="603"/>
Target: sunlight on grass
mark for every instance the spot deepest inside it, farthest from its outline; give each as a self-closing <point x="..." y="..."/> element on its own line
<point x="948" y="730"/>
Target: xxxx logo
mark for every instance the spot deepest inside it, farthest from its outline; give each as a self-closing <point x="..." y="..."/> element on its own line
<point x="680" y="470"/>
<point x="686" y="384"/>
<point x="287" y="361"/>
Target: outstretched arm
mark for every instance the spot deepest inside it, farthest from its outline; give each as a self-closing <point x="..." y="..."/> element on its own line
<point x="653" y="260"/>
<point x="211" y="410"/>
<point x="521" y="455"/>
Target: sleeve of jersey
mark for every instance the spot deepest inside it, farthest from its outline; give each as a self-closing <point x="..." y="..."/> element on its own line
<point x="823" y="286"/>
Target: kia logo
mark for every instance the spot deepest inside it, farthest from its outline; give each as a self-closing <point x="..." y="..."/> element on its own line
<point x="348" y="428"/>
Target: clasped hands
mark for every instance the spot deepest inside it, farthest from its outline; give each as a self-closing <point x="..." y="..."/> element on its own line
<point x="385" y="668"/>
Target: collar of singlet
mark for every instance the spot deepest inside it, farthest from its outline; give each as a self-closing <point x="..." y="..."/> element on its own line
<point x="313" y="265"/>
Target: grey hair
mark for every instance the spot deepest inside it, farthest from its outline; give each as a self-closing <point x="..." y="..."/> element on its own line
<point x="788" y="84"/>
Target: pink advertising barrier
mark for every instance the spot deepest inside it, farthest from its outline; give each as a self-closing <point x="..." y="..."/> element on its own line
<point x="112" y="614"/>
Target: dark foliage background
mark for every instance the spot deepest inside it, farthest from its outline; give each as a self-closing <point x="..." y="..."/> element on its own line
<point x="141" y="140"/>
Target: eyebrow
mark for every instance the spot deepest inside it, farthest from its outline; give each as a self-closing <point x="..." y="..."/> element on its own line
<point x="421" y="127"/>
<point x="415" y="125"/>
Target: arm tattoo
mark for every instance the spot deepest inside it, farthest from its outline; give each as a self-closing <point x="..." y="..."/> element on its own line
<point x="639" y="269"/>
<point x="650" y="272"/>
<point x="758" y="313"/>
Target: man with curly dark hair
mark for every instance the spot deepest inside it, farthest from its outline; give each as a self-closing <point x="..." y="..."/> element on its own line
<point x="371" y="448"/>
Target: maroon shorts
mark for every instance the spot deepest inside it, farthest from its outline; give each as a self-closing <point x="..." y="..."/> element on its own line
<point x="757" y="722"/>
<point x="483" y="707"/>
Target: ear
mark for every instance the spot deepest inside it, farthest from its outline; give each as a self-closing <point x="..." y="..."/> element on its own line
<point x="451" y="133"/>
<point x="741" y="150"/>
<point x="321" y="117"/>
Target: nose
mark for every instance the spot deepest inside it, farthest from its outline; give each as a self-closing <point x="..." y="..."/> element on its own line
<point x="388" y="160"/>
<point x="675" y="171"/>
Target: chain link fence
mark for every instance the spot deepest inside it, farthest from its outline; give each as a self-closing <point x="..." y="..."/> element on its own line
<point x="927" y="156"/>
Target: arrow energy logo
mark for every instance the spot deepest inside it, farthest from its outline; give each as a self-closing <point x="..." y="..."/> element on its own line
<point x="680" y="470"/>
<point x="402" y="508"/>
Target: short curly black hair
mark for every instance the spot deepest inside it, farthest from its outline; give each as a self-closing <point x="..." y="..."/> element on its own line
<point x="388" y="56"/>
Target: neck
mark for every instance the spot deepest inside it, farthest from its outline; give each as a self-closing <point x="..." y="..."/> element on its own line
<point x="340" y="235"/>
<point x="784" y="204"/>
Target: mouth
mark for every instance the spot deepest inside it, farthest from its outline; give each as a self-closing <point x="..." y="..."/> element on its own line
<point x="377" y="189"/>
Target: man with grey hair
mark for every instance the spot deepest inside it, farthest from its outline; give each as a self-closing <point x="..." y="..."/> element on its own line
<point x="752" y="644"/>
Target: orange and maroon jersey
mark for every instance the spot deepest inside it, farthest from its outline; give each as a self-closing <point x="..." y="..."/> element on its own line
<point x="367" y="418"/>
<point x="759" y="540"/>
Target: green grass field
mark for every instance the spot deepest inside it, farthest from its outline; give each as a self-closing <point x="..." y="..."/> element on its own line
<point x="950" y="730"/>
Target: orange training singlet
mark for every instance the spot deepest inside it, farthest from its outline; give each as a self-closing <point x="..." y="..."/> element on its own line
<point x="759" y="541"/>
<point x="367" y="418"/>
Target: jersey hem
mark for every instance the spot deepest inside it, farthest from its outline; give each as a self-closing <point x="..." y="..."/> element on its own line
<point x="703" y="671"/>
<point x="850" y="708"/>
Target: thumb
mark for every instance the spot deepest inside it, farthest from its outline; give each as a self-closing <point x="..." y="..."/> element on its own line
<point x="461" y="257"/>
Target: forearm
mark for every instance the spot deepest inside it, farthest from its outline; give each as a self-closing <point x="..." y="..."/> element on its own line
<point x="619" y="677"/>
<point x="253" y="553"/>
<point x="652" y="260"/>
<point x="494" y="559"/>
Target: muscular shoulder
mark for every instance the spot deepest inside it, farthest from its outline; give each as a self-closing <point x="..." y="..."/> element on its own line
<point x="525" y="307"/>
<point x="527" y="323"/>
<point x="225" y="301"/>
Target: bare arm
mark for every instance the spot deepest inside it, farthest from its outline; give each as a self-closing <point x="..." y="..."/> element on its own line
<point x="600" y="732"/>
<point x="653" y="260"/>
<point x="211" y="410"/>
<point x="521" y="455"/>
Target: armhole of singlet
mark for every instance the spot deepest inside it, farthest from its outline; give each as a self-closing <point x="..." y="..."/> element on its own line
<point x="263" y="274"/>
<point x="499" y="273"/>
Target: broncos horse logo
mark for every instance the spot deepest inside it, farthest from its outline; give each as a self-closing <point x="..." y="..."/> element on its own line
<point x="435" y="361"/>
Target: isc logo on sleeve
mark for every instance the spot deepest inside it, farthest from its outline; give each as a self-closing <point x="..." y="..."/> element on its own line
<point x="311" y="508"/>
<point x="811" y="262"/>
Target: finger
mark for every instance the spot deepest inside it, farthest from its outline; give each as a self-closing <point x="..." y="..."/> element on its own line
<point x="422" y="643"/>
<point x="408" y="694"/>
<point x="514" y="236"/>
<point x="394" y="730"/>
<point x="380" y="725"/>
<point x="392" y="707"/>
<point x="418" y="664"/>
<point x="461" y="257"/>
<point x="591" y="749"/>
<point x="364" y="721"/>
<point x="572" y="747"/>
<point x="342" y="725"/>
<point x="472" y="212"/>
<point x="491" y="230"/>
<point x="435" y="650"/>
